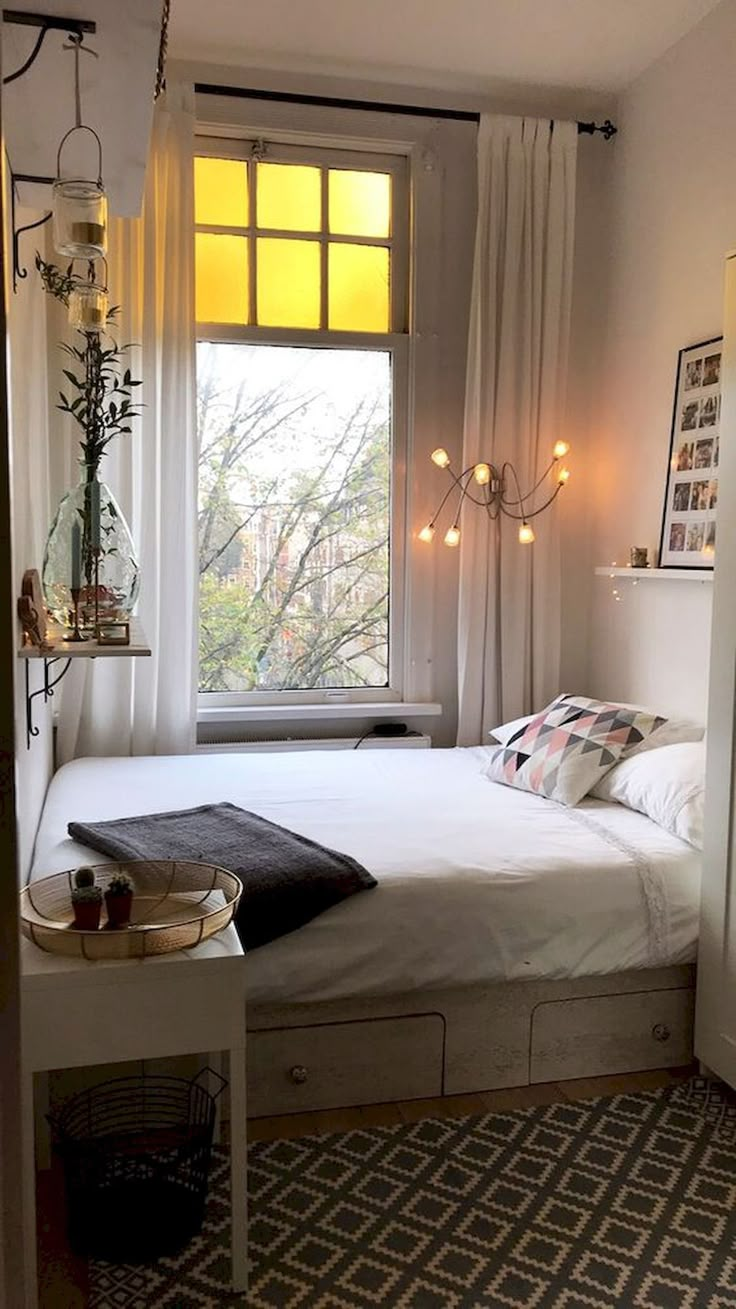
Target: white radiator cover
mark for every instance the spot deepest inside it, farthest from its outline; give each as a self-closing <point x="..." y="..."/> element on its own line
<point x="418" y="742"/>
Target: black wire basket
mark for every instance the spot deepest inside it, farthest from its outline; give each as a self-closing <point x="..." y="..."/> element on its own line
<point x="136" y="1154"/>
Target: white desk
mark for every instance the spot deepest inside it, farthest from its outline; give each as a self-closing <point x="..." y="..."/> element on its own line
<point x="76" y="1013"/>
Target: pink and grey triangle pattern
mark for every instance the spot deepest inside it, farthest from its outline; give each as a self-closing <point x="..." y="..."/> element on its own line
<point x="567" y="748"/>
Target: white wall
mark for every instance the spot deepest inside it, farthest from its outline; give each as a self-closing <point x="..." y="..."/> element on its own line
<point x="674" y="218"/>
<point x="29" y="435"/>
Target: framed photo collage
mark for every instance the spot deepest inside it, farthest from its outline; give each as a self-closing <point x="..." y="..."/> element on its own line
<point x="691" y="502"/>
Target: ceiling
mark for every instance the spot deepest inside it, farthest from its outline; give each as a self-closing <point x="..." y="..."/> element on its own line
<point x="598" y="45"/>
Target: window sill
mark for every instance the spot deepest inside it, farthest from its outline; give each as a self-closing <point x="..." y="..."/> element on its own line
<point x="263" y="713"/>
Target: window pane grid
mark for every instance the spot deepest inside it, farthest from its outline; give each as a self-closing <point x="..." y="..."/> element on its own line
<point x="361" y="285"/>
<point x="292" y="233"/>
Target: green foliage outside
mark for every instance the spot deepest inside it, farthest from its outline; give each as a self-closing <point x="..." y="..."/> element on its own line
<point x="294" y="495"/>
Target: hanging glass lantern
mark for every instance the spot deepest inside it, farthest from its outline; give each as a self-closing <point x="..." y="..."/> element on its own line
<point x="80" y="208"/>
<point x="88" y="302"/>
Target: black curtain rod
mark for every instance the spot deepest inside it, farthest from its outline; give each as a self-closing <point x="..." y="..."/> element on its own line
<point x="606" y="129"/>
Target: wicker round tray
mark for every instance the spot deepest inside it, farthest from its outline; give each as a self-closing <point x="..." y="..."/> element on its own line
<point x="176" y="905"/>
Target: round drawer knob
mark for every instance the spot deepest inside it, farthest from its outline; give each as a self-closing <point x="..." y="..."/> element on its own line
<point x="299" y="1074"/>
<point x="661" y="1032"/>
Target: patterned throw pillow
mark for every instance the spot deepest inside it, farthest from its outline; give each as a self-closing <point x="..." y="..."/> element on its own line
<point x="565" y="750"/>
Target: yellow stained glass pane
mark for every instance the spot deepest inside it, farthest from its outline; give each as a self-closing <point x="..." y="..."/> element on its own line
<point x="358" y="298"/>
<point x="221" y="284"/>
<point x="288" y="282"/>
<point x="221" y="191"/>
<point x="289" y="197"/>
<point x="359" y="203"/>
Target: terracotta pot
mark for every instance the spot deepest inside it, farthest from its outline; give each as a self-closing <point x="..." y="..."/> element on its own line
<point x="118" y="908"/>
<point x="87" y="915"/>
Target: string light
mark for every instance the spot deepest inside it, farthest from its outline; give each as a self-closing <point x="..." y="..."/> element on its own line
<point x="482" y="474"/>
<point x="561" y="448"/>
<point x="452" y="535"/>
<point x="526" y="534"/>
<point x="427" y="533"/>
<point x="563" y="476"/>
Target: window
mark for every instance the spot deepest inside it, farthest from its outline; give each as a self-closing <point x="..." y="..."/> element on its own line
<point x="301" y="294"/>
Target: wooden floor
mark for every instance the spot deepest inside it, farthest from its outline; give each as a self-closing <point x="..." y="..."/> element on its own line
<point x="63" y="1282"/>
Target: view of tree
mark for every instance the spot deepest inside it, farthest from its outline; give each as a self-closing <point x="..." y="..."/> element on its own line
<point x="294" y="502"/>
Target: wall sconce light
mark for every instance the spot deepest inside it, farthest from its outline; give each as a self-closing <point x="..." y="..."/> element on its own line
<point x="499" y="493"/>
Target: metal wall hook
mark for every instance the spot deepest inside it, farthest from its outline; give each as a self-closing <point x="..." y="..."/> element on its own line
<point x="47" y="690"/>
<point x="74" y="27"/>
<point x="20" y="273"/>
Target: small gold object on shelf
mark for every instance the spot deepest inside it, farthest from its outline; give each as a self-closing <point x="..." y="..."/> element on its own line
<point x="113" y="633"/>
<point x="639" y="556"/>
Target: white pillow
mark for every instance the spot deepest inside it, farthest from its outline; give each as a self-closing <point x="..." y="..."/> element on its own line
<point x="671" y="731"/>
<point x="500" y="735"/>
<point x="668" y="786"/>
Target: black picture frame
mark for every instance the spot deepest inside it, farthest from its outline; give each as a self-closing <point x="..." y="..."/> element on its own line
<point x="688" y="534"/>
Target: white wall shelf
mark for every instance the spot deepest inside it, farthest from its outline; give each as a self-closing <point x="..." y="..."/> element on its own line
<point x="657" y="574"/>
<point x="59" y="651"/>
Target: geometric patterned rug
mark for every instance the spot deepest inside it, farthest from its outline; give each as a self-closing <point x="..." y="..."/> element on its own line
<point x="623" y="1201"/>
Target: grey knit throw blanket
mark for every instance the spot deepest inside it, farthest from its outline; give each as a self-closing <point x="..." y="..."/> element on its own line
<point x="287" y="879"/>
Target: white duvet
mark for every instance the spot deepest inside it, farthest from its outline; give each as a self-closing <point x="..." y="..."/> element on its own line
<point x="477" y="882"/>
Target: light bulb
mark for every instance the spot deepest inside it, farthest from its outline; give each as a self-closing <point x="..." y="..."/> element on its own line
<point x="482" y="474"/>
<point x="427" y="533"/>
<point x="440" y="457"/>
<point x="561" y="449"/>
<point x="526" y="534"/>
<point x="563" y="476"/>
<point x="452" y="536"/>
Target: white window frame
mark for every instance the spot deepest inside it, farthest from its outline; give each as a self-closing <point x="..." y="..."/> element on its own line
<point x="396" y="342"/>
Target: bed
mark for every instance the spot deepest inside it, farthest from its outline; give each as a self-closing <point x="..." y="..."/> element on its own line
<point x="509" y="940"/>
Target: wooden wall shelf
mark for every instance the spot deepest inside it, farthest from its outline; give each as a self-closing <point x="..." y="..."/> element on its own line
<point x="90" y="649"/>
<point x="62" y="652"/>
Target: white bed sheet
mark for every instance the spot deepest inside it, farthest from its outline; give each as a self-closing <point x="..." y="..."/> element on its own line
<point x="476" y="882"/>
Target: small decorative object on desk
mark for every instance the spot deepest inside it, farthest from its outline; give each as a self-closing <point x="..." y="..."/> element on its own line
<point x="32" y="610"/>
<point x="86" y="901"/>
<point x="119" y="900"/>
<point x="639" y="556"/>
<point x="176" y="904"/>
<point x="117" y="633"/>
<point x="90" y="571"/>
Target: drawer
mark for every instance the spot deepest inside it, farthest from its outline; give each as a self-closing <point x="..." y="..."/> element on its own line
<point x="335" y="1065"/>
<point x="596" y="1035"/>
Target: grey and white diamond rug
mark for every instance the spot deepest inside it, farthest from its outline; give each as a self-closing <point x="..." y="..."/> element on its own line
<point x="624" y="1201"/>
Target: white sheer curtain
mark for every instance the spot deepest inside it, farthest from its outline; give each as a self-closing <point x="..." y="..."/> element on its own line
<point x="509" y="600"/>
<point x="147" y="705"/>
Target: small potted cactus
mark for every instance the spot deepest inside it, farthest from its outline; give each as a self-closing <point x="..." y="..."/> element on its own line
<point x="119" y="900"/>
<point x="86" y="901"/>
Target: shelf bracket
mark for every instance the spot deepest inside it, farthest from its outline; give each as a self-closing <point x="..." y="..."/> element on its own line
<point x="45" y="23"/>
<point x="21" y="273"/>
<point x="47" y="690"/>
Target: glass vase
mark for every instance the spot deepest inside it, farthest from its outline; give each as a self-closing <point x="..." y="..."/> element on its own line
<point x="106" y="575"/>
